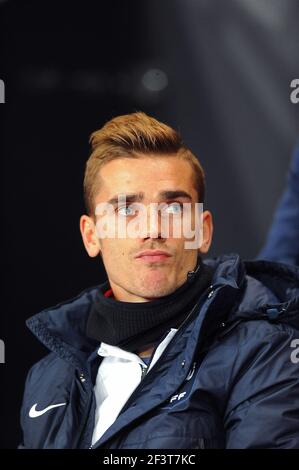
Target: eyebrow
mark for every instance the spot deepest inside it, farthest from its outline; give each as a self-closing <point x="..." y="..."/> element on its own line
<point x="138" y="197"/>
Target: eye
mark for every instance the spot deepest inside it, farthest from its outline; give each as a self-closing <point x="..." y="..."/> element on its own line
<point x="126" y="210"/>
<point x="175" y="208"/>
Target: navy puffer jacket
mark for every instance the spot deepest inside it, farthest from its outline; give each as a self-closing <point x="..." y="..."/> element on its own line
<point x="228" y="379"/>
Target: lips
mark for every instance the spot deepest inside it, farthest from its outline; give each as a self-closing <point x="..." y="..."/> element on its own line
<point x="153" y="255"/>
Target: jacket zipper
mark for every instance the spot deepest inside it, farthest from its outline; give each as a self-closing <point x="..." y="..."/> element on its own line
<point x="143" y="371"/>
<point x="85" y="416"/>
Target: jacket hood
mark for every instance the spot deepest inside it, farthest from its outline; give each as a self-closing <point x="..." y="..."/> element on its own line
<point x="262" y="289"/>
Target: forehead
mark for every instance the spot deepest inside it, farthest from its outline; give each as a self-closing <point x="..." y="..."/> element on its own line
<point x="146" y="174"/>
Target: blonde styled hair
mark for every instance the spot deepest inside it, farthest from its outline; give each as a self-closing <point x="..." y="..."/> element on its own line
<point x="133" y="136"/>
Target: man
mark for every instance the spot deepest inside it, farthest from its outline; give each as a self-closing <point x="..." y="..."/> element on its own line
<point x="170" y="352"/>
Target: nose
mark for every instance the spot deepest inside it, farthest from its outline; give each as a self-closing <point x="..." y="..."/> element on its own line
<point x="153" y="222"/>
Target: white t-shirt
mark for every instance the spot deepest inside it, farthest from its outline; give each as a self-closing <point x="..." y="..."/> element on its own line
<point x="119" y="373"/>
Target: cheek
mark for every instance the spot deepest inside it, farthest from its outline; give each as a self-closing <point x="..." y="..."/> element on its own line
<point x="115" y="252"/>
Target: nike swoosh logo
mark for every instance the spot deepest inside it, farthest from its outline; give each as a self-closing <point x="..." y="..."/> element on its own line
<point x="34" y="413"/>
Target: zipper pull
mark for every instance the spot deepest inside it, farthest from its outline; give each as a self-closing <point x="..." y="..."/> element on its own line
<point x="143" y="371"/>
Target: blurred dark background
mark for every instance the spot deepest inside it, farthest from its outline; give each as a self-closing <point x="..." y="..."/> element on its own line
<point x="219" y="72"/>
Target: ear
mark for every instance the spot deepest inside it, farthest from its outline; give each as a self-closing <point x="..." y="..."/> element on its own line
<point x="207" y="232"/>
<point x="89" y="236"/>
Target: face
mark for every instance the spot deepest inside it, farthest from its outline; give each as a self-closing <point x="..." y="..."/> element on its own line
<point x="135" y="278"/>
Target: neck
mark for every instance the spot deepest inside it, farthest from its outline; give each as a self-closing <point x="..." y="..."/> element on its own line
<point x="146" y="352"/>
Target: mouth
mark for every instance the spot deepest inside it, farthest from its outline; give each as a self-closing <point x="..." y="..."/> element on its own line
<point x="152" y="256"/>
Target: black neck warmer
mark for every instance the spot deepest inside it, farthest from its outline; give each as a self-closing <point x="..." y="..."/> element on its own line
<point x="132" y="325"/>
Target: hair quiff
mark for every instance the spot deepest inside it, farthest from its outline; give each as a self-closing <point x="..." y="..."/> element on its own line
<point x="133" y="136"/>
